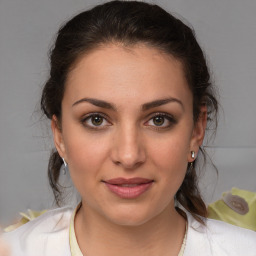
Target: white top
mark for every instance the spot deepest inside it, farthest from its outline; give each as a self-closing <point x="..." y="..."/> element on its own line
<point x="48" y="235"/>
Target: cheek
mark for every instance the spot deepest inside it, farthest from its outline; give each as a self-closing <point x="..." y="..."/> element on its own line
<point x="86" y="156"/>
<point x="170" y="158"/>
<point x="85" y="152"/>
<point x="171" y="149"/>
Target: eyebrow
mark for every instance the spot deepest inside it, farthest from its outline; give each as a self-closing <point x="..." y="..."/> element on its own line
<point x="96" y="102"/>
<point x="157" y="103"/>
<point x="146" y="106"/>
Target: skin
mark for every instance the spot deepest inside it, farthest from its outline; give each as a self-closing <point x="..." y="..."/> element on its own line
<point x="128" y="143"/>
<point x="4" y="249"/>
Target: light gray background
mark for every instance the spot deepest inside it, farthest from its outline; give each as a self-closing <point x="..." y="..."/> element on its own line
<point x="227" y="32"/>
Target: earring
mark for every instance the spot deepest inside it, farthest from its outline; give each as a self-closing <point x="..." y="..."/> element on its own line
<point x="65" y="166"/>
<point x="191" y="164"/>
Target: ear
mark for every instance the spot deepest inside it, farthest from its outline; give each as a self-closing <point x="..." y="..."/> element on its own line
<point x="198" y="132"/>
<point x="57" y="136"/>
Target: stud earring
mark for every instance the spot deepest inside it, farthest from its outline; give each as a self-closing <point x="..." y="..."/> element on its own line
<point x="193" y="154"/>
<point x="65" y="166"/>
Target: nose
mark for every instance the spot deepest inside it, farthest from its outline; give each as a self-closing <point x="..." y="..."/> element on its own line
<point x="128" y="148"/>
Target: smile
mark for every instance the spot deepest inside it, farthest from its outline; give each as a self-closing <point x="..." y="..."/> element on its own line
<point x="128" y="188"/>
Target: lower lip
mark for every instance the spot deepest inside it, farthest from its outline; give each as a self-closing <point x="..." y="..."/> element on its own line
<point x="129" y="192"/>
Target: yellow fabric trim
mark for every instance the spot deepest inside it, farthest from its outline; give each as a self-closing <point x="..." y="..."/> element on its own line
<point x="26" y="217"/>
<point x="74" y="247"/>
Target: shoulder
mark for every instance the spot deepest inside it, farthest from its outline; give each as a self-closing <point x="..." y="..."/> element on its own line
<point x="219" y="238"/>
<point x="235" y="237"/>
<point x="217" y="227"/>
<point x="42" y="234"/>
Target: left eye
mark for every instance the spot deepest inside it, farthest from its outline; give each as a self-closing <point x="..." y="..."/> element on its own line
<point x="96" y="120"/>
<point x="161" y="121"/>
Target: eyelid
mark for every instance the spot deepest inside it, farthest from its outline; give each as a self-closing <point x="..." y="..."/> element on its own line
<point x="167" y="116"/>
<point x="89" y="115"/>
<point x="164" y="114"/>
<point x="95" y="114"/>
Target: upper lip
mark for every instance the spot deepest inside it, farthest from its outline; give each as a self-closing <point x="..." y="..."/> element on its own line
<point x="120" y="181"/>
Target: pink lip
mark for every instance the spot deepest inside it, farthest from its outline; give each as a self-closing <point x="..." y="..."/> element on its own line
<point x="128" y="188"/>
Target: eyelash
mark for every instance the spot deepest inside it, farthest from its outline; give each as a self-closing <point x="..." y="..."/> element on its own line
<point x="90" y="116"/>
<point x="172" y="121"/>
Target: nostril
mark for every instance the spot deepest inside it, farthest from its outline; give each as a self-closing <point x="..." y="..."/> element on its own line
<point x="129" y="166"/>
<point x="127" y="151"/>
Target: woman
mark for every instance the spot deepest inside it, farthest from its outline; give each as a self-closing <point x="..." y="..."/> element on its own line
<point x="129" y="96"/>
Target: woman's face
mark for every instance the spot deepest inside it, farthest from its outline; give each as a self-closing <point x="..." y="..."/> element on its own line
<point x="127" y="132"/>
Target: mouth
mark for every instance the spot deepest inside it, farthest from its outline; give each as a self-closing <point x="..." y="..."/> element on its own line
<point x="128" y="188"/>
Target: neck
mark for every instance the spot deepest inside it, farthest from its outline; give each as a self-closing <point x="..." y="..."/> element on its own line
<point x="161" y="235"/>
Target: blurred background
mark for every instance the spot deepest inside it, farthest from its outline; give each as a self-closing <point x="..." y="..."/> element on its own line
<point x="226" y="31"/>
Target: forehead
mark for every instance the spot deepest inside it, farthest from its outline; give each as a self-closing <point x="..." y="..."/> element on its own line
<point x="140" y="72"/>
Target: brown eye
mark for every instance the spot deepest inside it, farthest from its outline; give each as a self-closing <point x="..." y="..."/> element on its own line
<point x="161" y="121"/>
<point x="158" y="120"/>
<point x="97" y="120"/>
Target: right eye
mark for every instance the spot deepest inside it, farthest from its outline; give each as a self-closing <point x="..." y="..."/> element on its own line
<point x="95" y="121"/>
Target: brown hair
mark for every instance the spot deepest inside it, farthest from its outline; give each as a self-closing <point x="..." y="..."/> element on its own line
<point x="129" y="23"/>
